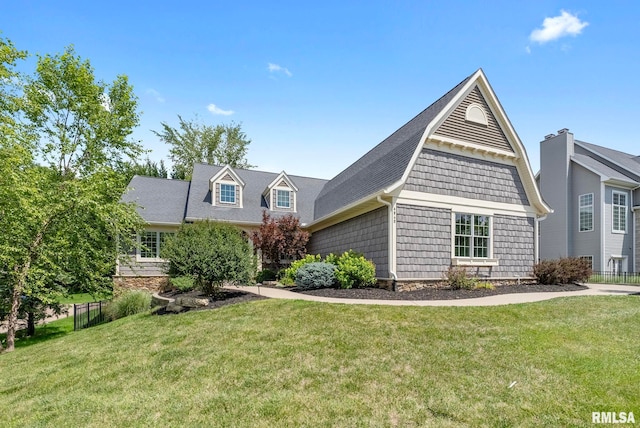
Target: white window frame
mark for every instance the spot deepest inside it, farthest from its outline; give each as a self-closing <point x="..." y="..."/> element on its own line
<point x="235" y="191"/>
<point x="589" y="258"/>
<point x="615" y="207"/>
<point x="586" y="206"/>
<point x="288" y="192"/>
<point x="159" y="239"/>
<point x="472" y="260"/>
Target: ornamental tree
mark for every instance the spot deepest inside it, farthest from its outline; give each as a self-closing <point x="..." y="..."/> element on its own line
<point x="60" y="219"/>
<point x="280" y="238"/>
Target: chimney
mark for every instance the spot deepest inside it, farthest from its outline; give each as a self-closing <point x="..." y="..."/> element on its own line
<point x="546" y="137"/>
<point x="563" y="130"/>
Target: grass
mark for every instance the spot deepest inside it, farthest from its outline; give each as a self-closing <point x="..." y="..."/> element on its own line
<point x="292" y="363"/>
<point x="610" y="278"/>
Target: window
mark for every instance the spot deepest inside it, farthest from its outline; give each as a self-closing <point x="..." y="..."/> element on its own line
<point x="228" y="193"/>
<point x="619" y="212"/>
<point x="151" y="243"/>
<point x="588" y="259"/>
<point x="472" y="236"/>
<point x="586" y="212"/>
<point x="283" y="199"/>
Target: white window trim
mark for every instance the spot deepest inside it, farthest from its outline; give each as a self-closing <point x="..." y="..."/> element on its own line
<point x="235" y="192"/>
<point x="157" y="258"/>
<point x="472" y="261"/>
<point x="290" y="192"/>
<point x="592" y="212"/>
<point x="613" y="209"/>
<point x="587" y="257"/>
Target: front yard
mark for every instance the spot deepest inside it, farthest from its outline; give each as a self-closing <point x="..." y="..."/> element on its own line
<point x="292" y="363"/>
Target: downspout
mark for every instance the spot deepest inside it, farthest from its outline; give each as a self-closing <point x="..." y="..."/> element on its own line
<point x="633" y="236"/>
<point x="391" y="243"/>
<point x="536" y="250"/>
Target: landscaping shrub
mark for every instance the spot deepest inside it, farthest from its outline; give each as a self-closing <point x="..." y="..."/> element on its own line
<point x="315" y="275"/>
<point x="128" y="303"/>
<point x="265" y="275"/>
<point x="289" y="275"/>
<point x="457" y="278"/>
<point x="211" y="253"/>
<point x="353" y="270"/>
<point x="183" y="283"/>
<point x="483" y="285"/>
<point x="562" y="271"/>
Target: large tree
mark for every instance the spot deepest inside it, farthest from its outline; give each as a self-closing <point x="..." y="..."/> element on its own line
<point x="195" y="142"/>
<point x="60" y="218"/>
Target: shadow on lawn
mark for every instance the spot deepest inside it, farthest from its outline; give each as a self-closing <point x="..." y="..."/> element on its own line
<point x="44" y="333"/>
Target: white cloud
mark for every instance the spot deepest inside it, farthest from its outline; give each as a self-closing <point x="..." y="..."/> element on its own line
<point x="155" y="94"/>
<point x="275" y="68"/>
<point x="217" y="110"/>
<point x="557" y="27"/>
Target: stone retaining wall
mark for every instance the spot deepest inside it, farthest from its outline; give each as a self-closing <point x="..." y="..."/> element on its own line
<point x="148" y="283"/>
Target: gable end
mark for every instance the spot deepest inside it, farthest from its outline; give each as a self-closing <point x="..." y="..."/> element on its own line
<point x="461" y="126"/>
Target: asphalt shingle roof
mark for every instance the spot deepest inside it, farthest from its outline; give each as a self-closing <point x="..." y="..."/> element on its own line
<point x="381" y="166"/>
<point x="199" y="201"/>
<point x="159" y="200"/>
<point x="599" y="167"/>
<point x="630" y="163"/>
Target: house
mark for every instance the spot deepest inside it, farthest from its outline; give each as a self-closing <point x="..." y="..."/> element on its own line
<point x="595" y="195"/>
<point x="453" y="186"/>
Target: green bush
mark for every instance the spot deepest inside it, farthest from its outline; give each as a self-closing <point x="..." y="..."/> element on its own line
<point x="128" y="303"/>
<point x="265" y="275"/>
<point x="457" y="278"/>
<point x="289" y="275"/>
<point x="562" y="271"/>
<point x="353" y="270"/>
<point x="211" y="253"/>
<point x="315" y="275"/>
<point x="183" y="283"/>
<point x="484" y="285"/>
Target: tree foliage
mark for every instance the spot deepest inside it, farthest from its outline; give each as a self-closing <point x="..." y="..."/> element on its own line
<point x="211" y="253"/>
<point x="194" y="142"/>
<point x="147" y="168"/>
<point x="59" y="221"/>
<point x="280" y="238"/>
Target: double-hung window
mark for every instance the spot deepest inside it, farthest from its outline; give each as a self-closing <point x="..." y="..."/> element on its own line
<point x="227" y="193"/>
<point x="619" y="212"/>
<point x="472" y="236"/>
<point x="585" y="211"/>
<point x="283" y="198"/>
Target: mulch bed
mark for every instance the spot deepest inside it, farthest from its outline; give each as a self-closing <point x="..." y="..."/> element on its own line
<point x="437" y="293"/>
<point x="230" y="297"/>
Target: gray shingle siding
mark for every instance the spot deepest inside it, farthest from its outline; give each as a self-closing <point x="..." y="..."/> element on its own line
<point x="636" y="217"/>
<point x="367" y="233"/>
<point x="454" y="175"/>
<point x="423" y="241"/>
<point x="457" y="127"/>
<point x="513" y="246"/>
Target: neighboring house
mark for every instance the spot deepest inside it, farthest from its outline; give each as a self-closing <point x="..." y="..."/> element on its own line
<point x="594" y="193"/>
<point x="453" y="186"/>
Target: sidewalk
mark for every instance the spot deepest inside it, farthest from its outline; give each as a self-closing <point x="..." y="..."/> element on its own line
<point x="500" y="299"/>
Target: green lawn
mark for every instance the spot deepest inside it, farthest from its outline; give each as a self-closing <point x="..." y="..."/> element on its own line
<point x="291" y="363"/>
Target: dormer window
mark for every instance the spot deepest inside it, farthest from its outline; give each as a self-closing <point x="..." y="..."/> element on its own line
<point x="283" y="198"/>
<point x="280" y="194"/>
<point x="227" y="193"/>
<point x="226" y="188"/>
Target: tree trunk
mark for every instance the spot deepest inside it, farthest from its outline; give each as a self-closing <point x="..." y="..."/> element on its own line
<point x="31" y="324"/>
<point x="13" y="314"/>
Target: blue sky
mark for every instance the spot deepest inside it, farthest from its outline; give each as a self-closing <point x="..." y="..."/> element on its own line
<point x="316" y="85"/>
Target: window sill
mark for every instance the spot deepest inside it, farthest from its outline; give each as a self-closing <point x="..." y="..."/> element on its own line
<point x="474" y="262"/>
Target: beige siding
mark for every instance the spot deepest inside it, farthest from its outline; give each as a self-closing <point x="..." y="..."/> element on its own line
<point x="455" y="126"/>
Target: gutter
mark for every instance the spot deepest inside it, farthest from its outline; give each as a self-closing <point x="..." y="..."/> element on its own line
<point x="391" y="246"/>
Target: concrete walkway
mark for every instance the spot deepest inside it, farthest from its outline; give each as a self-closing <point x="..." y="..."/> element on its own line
<point x="500" y="299"/>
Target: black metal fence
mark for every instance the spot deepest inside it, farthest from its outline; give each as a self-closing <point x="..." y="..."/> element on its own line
<point x="615" y="278"/>
<point x="88" y="314"/>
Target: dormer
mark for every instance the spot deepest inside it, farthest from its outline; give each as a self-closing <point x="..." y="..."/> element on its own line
<point x="226" y="188"/>
<point x="281" y="194"/>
